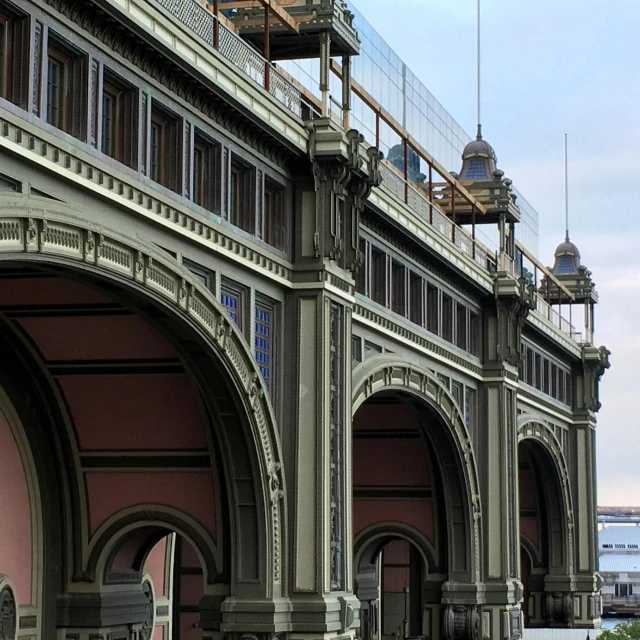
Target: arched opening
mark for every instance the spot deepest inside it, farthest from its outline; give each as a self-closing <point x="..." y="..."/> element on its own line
<point x="410" y="506"/>
<point x="544" y="566"/>
<point x="135" y="412"/>
<point x="390" y="577"/>
<point x="164" y="568"/>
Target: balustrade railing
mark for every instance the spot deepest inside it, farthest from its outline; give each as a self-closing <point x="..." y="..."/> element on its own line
<point x="203" y="23"/>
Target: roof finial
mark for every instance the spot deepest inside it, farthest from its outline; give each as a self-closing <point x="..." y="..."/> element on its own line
<point x="566" y="187"/>
<point x="479" y="79"/>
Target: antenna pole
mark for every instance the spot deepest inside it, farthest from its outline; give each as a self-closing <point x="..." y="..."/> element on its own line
<point x="566" y="186"/>
<point x="479" y="76"/>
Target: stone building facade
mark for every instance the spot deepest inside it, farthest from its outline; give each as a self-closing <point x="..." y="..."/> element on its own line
<point x="247" y="389"/>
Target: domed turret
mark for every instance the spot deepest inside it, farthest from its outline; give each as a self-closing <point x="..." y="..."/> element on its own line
<point x="567" y="259"/>
<point x="479" y="161"/>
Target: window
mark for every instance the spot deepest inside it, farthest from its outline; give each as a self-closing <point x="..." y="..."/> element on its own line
<point x="241" y="190"/>
<point x="273" y="221"/>
<point x="457" y="393"/>
<point x="233" y="298"/>
<point x="356" y="350"/>
<point x="461" y="325"/>
<point x="14" y="57"/>
<point x="264" y="341"/>
<point x="537" y="382"/>
<point x="445" y="381"/>
<point x="470" y="410"/>
<point x="204" y="275"/>
<point x="474" y="333"/>
<point x="398" y="288"/>
<point x="433" y="318"/>
<point x="165" y="142"/>
<point x="371" y="349"/>
<point x="378" y="276"/>
<point x="447" y="318"/>
<point x="554" y="381"/>
<point x="119" y="130"/>
<point x="416" y="299"/>
<point x="546" y="376"/>
<point x="528" y="378"/>
<point x="624" y="590"/>
<point x="66" y="88"/>
<point x="206" y="170"/>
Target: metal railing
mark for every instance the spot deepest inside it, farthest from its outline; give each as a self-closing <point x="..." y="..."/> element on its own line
<point x="610" y="598"/>
<point x="203" y="23"/>
<point x="430" y="213"/>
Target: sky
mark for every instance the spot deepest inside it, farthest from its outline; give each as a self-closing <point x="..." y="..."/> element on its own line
<point x="552" y="67"/>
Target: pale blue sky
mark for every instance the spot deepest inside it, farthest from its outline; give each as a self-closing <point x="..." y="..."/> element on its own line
<point x="550" y="67"/>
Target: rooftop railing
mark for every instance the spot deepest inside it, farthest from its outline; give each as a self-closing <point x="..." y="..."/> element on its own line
<point x="200" y="20"/>
<point x="196" y="16"/>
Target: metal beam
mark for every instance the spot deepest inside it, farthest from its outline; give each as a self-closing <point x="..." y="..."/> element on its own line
<point x="270" y="5"/>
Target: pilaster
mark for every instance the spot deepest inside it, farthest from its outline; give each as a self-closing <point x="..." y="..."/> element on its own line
<point x="318" y="413"/>
<point x="587" y="601"/>
<point x="498" y="458"/>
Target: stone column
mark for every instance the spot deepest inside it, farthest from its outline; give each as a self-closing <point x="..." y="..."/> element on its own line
<point x="497" y="455"/>
<point x="587" y="601"/>
<point x="116" y="612"/>
<point x="317" y="422"/>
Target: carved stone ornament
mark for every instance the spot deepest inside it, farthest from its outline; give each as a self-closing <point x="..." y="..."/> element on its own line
<point x="515" y="624"/>
<point x="514" y="301"/>
<point x="595" y="362"/>
<point x="8" y="612"/>
<point x="344" y="179"/>
<point x="559" y="608"/>
<point x="461" y="622"/>
<point x="148" y="619"/>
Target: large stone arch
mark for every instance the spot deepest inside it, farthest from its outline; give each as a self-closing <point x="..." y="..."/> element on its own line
<point x="456" y="459"/>
<point x="53" y="234"/>
<point x="543" y="436"/>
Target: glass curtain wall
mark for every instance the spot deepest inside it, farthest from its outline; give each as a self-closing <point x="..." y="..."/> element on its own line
<point x="391" y="83"/>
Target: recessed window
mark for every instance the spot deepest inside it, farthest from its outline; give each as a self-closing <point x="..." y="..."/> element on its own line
<point x="206" y="172"/>
<point x="119" y="108"/>
<point x="398" y="288"/>
<point x="14" y="57"/>
<point x="202" y="274"/>
<point x="433" y="308"/>
<point x="447" y="318"/>
<point x="66" y="88"/>
<point x="272" y="228"/>
<point x="457" y="393"/>
<point x="165" y="143"/>
<point x="537" y="382"/>
<point x="378" y="276"/>
<point x="461" y="325"/>
<point x="233" y="297"/>
<point x="416" y="299"/>
<point x="470" y="409"/>
<point x="474" y="333"/>
<point x="241" y="197"/>
<point x="264" y="328"/>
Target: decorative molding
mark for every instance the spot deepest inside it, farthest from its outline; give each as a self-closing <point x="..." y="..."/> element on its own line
<point x="595" y="361"/>
<point x="149" y="59"/>
<point x="31" y="232"/>
<point x="381" y="373"/>
<point x="514" y="300"/>
<point x="128" y="191"/>
<point x="388" y="324"/>
<point x="530" y="428"/>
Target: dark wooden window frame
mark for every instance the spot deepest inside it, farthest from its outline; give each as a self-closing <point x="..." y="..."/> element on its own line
<point x="165" y="147"/>
<point x="272" y="228"/>
<point x="122" y="138"/>
<point x="241" y="187"/>
<point x="14" y="56"/>
<point x="66" y="100"/>
<point x="207" y="161"/>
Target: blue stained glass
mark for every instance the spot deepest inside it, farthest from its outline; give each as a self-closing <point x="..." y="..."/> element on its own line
<point x="476" y="170"/>
<point x="566" y="265"/>
<point x="262" y="342"/>
<point x="231" y="304"/>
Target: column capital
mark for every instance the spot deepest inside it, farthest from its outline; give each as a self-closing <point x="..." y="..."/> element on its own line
<point x="344" y="172"/>
<point x="595" y="361"/>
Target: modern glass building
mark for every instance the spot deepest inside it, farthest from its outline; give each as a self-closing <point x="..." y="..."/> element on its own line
<point x="391" y="83"/>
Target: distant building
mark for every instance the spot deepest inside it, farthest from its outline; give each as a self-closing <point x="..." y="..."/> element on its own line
<point x="619" y="551"/>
